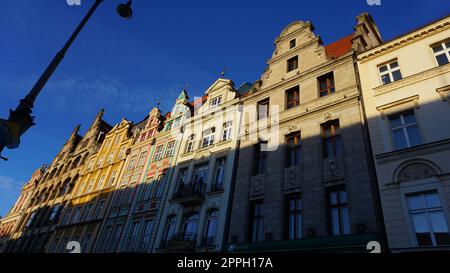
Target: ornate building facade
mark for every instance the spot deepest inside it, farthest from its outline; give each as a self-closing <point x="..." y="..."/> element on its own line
<point x="406" y="89"/>
<point x="197" y="206"/>
<point x="303" y="179"/>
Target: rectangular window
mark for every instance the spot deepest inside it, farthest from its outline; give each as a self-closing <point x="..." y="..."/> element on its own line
<point x="226" y="135"/>
<point x="326" y="84"/>
<point x="100" y="182"/>
<point x="293" y="97"/>
<point x="112" y="180"/>
<point x="216" y="102"/>
<point x="170" y="149"/>
<point x="292" y="43"/>
<point x="159" y="153"/>
<point x="146" y="233"/>
<point x="293" y="212"/>
<point x="260" y="166"/>
<point x="132" y="163"/>
<point x="256" y="233"/>
<point x="428" y="219"/>
<point x="208" y="137"/>
<point x="90" y="185"/>
<point x="190" y="144"/>
<point x="159" y="186"/>
<point x="263" y="108"/>
<point x="55" y="212"/>
<point x="88" y="212"/>
<point x="76" y="215"/>
<point x="67" y="216"/>
<point x="200" y="177"/>
<point x="442" y="52"/>
<point x="98" y="211"/>
<point x="293" y="149"/>
<point x="331" y="139"/>
<point x="219" y="178"/>
<point x="338" y="218"/>
<point x="404" y="130"/>
<point x="169" y="126"/>
<point x="390" y="72"/>
<point x="292" y="63"/>
<point x="142" y="158"/>
<point x="134" y="236"/>
<point x="147" y="189"/>
<point x="86" y="241"/>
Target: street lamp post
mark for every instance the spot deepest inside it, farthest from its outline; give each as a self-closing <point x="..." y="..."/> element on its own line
<point x="20" y="120"/>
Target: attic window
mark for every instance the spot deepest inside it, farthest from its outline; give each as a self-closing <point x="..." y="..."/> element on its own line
<point x="216" y="101"/>
<point x="292" y="43"/>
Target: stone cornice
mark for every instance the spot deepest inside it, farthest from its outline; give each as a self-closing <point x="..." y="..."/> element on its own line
<point x="415" y="151"/>
<point x="404" y="40"/>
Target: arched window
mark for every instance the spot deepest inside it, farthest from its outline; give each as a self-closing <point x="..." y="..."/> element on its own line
<point x="190" y="225"/>
<point x="210" y="231"/>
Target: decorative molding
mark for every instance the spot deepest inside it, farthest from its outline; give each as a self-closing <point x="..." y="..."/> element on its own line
<point x="420" y="150"/>
<point x="444" y="93"/>
<point x="399" y="105"/>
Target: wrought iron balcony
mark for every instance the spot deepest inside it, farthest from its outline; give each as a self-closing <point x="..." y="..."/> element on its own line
<point x="181" y="242"/>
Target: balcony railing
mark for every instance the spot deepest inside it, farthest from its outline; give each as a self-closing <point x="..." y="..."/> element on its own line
<point x="208" y="241"/>
<point x="191" y="193"/>
<point x="181" y="242"/>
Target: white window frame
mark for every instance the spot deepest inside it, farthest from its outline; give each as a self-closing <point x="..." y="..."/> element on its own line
<point x="159" y="152"/>
<point x="227" y="130"/>
<point x="209" y="136"/>
<point x="404" y="127"/>
<point x="170" y="150"/>
<point x="445" y="50"/>
<point x="190" y="144"/>
<point x="142" y="157"/>
<point x="215" y="102"/>
<point x="389" y="71"/>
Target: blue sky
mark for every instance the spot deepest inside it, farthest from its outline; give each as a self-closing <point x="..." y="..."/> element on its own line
<point x="126" y="66"/>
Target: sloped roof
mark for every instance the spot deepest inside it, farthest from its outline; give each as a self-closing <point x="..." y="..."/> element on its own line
<point x="339" y="47"/>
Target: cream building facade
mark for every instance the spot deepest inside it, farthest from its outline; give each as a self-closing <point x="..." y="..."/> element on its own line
<point x="197" y="206"/>
<point x="406" y="89"/>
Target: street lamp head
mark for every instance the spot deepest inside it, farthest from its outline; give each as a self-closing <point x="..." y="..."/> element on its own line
<point x="124" y="10"/>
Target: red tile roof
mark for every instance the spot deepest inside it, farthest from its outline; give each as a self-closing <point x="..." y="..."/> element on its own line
<point x="340" y="47"/>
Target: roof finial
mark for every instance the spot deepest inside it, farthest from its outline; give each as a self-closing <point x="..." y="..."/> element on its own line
<point x="225" y="69"/>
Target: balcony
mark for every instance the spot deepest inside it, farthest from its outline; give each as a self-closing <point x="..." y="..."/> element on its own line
<point x="190" y="194"/>
<point x="181" y="242"/>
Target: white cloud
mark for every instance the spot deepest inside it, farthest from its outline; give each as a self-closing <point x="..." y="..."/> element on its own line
<point x="8" y="183"/>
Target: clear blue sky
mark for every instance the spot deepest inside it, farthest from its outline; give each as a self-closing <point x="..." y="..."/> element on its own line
<point x="126" y="66"/>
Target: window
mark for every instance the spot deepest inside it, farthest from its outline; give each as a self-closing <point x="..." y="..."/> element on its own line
<point x="428" y="219"/>
<point x="111" y="157"/>
<point x="219" y="178"/>
<point x="117" y="140"/>
<point x="256" y="222"/>
<point x="55" y="213"/>
<point x="190" y="144"/>
<point x="142" y="158"/>
<point x="81" y="188"/>
<point x="292" y="63"/>
<point x="132" y="163"/>
<point x="404" y="130"/>
<point x="88" y="212"/>
<point x="112" y="246"/>
<point x="210" y="227"/>
<point x="326" y="84"/>
<point x="146" y="233"/>
<point x="170" y="149"/>
<point x="90" y="185"/>
<point x="263" y="108"/>
<point x="338" y="212"/>
<point x="112" y="180"/>
<point x="182" y="179"/>
<point x="123" y="153"/>
<point x="147" y="189"/>
<point x="331" y="139"/>
<point x="169" y="125"/>
<point x="293" y="97"/>
<point x="190" y="225"/>
<point x="160" y="186"/>
<point x="293" y="209"/>
<point x="227" y="126"/>
<point x="86" y="242"/>
<point x="90" y="165"/>
<point x="176" y="122"/>
<point x="134" y="236"/>
<point x="208" y="137"/>
<point x="31" y="219"/>
<point x="170" y="228"/>
<point x="216" y="102"/>
<point x="390" y="72"/>
<point x="67" y="216"/>
<point x="293" y="149"/>
<point x="442" y="52"/>
<point x="100" y="161"/>
<point x="100" y="182"/>
<point x="159" y="153"/>
<point x="260" y="166"/>
<point x="292" y="43"/>
<point x="98" y="211"/>
<point x="200" y="177"/>
<point x="76" y="215"/>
